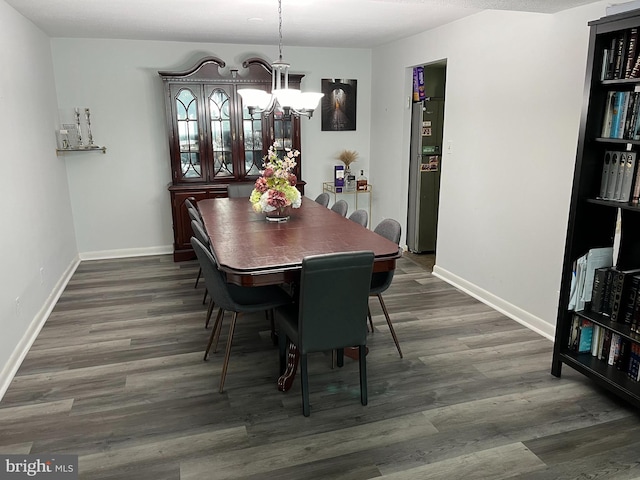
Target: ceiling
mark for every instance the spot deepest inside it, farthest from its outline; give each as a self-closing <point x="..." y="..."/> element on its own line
<point x="319" y="23"/>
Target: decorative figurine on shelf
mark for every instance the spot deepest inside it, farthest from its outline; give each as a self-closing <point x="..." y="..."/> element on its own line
<point x="275" y="192"/>
<point x="77" y="110"/>
<point x="88" y="117"/>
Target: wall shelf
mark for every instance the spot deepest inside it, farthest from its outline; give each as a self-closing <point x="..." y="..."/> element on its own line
<point x="93" y="148"/>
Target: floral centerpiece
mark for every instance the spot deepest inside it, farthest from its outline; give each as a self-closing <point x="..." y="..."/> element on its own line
<point x="275" y="191"/>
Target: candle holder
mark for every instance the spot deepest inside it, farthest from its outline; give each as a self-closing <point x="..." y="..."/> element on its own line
<point x="77" y="110"/>
<point x="87" y="114"/>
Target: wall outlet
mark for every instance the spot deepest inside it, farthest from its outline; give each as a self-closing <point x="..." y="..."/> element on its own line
<point x="449" y="146"/>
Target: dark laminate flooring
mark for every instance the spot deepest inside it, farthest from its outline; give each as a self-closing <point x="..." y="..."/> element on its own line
<point x="117" y="377"/>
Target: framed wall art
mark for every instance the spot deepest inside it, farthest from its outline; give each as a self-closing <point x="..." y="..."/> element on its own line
<point x="339" y="104"/>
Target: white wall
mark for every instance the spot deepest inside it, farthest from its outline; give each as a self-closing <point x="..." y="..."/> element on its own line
<point x="118" y="81"/>
<point x="34" y="202"/>
<point x="513" y="100"/>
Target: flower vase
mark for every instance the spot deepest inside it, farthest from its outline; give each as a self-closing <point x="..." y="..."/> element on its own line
<point x="280" y="214"/>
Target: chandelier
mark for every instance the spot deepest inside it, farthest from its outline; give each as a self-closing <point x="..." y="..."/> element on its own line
<point x="283" y="98"/>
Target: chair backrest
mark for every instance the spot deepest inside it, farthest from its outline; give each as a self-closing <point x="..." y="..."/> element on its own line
<point x="214" y="279"/>
<point x="334" y="292"/>
<point x="189" y="204"/>
<point x="340" y="207"/>
<point x="194" y="215"/>
<point x="389" y="229"/>
<point x="323" y="199"/>
<point x="360" y="216"/>
<point x="200" y="234"/>
<point x="240" y="190"/>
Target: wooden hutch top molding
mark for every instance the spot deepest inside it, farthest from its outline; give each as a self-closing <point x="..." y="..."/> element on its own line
<point x="255" y="70"/>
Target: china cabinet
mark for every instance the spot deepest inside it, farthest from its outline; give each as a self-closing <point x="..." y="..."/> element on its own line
<point x="213" y="139"/>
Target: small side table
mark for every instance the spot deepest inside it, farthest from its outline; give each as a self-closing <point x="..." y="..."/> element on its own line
<point x="357" y="199"/>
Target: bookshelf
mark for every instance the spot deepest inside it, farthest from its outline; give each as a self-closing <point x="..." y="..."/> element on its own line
<point x="593" y="217"/>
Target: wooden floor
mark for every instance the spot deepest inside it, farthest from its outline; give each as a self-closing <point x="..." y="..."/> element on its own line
<point x="116" y="376"/>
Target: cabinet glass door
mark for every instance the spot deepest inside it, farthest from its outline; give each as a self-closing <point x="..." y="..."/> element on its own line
<point x="186" y="114"/>
<point x="220" y="108"/>
<point x="253" y="145"/>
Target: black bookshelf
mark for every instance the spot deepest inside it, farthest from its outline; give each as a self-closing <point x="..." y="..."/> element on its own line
<point x="592" y="220"/>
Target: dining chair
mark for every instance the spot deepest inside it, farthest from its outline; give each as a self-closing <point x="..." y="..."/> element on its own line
<point x="240" y="190"/>
<point x="329" y="314"/>
<point x="340" y="207"/>
<point x="323" y="199"/>
<point x="360" y="216"/>
<point x="189" y="204"/>
<point x="194" y="215"/>
<point x="380" y="281"/>
<point x="232" y="298"/>
<point x="200" y="234"/>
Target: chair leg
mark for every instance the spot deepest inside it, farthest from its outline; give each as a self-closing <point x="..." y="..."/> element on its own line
<point x="209" y="312"/>
<point x="340" y="357"/>
<point x="227" y="353"/>
<point x="304" y="380"/>
<point x="272" y="321"/>
<point x="386" y="315"/>
<point x="362" y="350"/>
<point x="213" y="332"/>
<point x="198" y="277"/>
<point x="370" y="319"/>
<point x="204" y="297"/>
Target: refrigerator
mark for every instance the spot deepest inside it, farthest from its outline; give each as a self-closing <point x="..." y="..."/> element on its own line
<point x="427" y="119"/>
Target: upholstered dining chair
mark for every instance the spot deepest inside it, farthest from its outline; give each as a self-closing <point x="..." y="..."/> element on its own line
<point x="329" y="314"/>
<point x="380" y="281"/>
<point x="360" y="216"/>
<point x="194" y="215"/>
<point x="232" y="298"/>
<point x="189" y="204"/>
<point x="340" y="207"/>
<point x="200" y="234"/>
<point x="240" y="190"/>
<point x="323" y="199"/>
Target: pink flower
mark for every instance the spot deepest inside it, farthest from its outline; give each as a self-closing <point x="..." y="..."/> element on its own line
<point x="293" y="180"/>
<point x="261" y="185"/>
<point x="276" y="199"/>
<point x="268" y="172"/>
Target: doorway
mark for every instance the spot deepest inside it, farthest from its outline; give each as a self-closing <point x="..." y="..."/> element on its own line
<point x="427" y="125"/>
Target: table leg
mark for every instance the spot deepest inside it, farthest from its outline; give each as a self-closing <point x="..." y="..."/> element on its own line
<point x="286" y="379"/>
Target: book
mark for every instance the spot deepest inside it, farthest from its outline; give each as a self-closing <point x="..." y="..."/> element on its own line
<point x="606" y="293"/>
<point x="606" y="345"/>
<point x="627" y="161"/>
<point x="605" y="173"/>
<point x="632" y="298"/>
<point x="614" y="349"/>
<point x="595" y="341"/>
<point x="608" y="114"/>
<point x="615" y="113"/>
<point x="619" y="176"/>
<point x="620" y="55"/>
<point x="613" y="176"/>
<point x="585" y="336"/>
<point x="622" y="115"/>
<point x="573" y="334"/>
<point x="631" y="52"/>
<point x="597" y="295"/>
<point x="620" y="286"/>
<point x="621" y="362"/>
<point x="595" y="258"/>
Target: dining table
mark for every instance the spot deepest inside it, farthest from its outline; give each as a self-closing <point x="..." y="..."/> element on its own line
<point x="252" y="251"/>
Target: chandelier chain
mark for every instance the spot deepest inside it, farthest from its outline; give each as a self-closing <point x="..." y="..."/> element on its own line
<point x="280" y="28"/>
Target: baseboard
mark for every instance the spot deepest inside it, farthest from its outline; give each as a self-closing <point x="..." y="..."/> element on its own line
<point x="516" y="313"/>
<point x="127" y="252"/>
<point x="22" y="348"/>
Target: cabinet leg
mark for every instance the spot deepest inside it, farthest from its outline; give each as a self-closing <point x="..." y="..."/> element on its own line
<point x="556" y="368"/>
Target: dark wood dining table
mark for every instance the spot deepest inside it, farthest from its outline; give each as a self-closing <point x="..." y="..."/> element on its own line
<point x="253" y="252"/>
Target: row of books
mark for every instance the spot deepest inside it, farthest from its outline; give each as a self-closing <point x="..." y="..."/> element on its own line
<point x="608" y="346"/>
<point x="620" y="180"/>
<point x="615" y="294"/>
<point x="621" y="115"/>
<point x="621" y="60"/>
